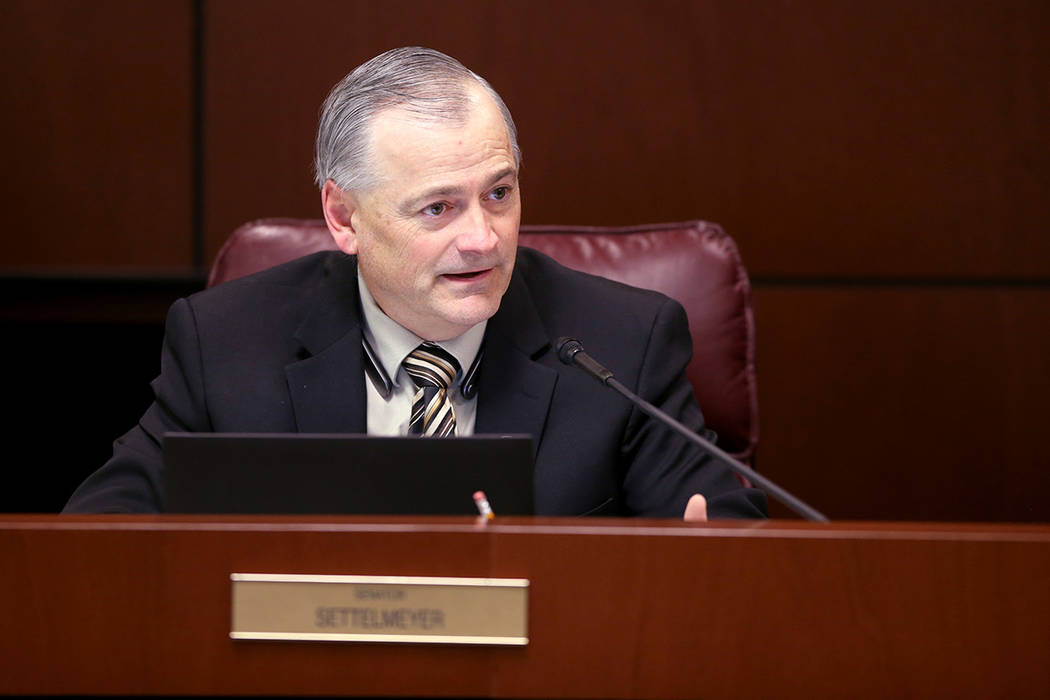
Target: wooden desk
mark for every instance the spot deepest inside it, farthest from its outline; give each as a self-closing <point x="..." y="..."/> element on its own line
<point x="617" y="608"/>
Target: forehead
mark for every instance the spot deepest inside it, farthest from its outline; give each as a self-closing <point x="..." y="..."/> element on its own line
<point x="408" y="146"/>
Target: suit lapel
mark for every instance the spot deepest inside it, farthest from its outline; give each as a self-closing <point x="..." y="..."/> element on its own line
<point x="514" y="390"/>
<point x="327" y="386"/>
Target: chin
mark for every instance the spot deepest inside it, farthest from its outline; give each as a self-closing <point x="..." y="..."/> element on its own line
<point x="470" y="313"/>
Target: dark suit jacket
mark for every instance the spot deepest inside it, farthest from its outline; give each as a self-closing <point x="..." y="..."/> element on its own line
<point x="280" y="351"/>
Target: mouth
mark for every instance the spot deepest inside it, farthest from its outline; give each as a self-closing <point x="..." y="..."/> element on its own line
<point x="468" y="276"/>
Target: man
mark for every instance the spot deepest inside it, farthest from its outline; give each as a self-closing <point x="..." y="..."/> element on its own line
<point x="430" y="320"/>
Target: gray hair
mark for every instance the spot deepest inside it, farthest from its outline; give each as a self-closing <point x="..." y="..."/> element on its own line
<point x="423" y="81"/>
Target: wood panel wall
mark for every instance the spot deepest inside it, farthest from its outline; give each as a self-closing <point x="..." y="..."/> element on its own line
<point x="97" y="171"/>
<point x="883" y="166"/>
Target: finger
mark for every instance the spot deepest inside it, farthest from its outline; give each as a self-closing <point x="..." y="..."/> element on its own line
<point x="696" y="508"/>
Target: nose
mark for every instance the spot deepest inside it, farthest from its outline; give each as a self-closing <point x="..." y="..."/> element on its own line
<point x="477" y="234"/>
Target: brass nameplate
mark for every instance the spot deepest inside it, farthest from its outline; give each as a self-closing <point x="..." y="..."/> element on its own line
<point x="380" y="609"/>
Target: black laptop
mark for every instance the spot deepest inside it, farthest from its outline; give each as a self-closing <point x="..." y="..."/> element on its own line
<point x="322" y="474"/>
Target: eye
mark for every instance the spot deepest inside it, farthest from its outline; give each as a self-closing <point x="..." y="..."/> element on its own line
<point x="436" y="209"/>
<point x="500" y="193"/>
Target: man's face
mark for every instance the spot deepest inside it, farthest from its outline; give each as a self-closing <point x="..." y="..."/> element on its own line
<point x="436" y="239"/>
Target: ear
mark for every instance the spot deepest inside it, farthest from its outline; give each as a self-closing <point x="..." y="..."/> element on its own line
<point x="338" y="207"/>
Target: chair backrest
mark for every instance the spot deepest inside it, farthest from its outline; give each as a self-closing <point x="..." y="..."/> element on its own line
<point x="695" y="262"/>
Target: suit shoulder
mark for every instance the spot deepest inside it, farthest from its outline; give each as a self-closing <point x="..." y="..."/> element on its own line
<point x="290" y="278"/>
<point x="546" y="276"/>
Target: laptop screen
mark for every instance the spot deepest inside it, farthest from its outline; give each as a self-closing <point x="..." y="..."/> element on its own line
<point x="323" y="474"/>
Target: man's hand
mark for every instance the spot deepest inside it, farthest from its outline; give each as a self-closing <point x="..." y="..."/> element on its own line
<point x="696" y="508"/>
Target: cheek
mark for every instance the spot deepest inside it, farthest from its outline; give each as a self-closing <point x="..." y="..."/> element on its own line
<point x="431" y="253"/>
<point x="508" y="224"/>
<point x="385" y="249"/>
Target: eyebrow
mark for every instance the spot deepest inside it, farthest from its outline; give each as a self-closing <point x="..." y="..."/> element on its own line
<point x="420" y="199"/>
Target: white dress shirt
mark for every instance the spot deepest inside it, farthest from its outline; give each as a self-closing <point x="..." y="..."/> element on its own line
<point x="392" y="343"/>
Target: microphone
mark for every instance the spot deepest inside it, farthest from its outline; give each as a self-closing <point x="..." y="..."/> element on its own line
<point x="570" y="352"/>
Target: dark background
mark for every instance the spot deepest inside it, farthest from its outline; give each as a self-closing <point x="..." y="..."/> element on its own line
<point x="883" y="166"/>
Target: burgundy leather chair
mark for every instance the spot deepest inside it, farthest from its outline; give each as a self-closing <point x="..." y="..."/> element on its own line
<point x="694" y="262"/>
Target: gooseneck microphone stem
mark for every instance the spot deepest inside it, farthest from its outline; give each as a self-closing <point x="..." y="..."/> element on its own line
<point x="571" y="353"/>
<point x="740" y="468"/>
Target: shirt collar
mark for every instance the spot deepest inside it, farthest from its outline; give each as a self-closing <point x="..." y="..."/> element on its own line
<point x="393" y="342"/>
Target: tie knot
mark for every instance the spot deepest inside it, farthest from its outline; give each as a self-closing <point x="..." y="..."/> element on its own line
<point x="431" y="365"/>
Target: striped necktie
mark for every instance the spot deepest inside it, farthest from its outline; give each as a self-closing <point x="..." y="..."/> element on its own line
<point x="432" y="369"/>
